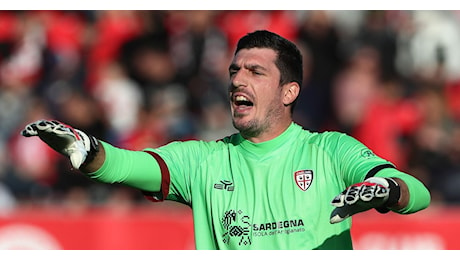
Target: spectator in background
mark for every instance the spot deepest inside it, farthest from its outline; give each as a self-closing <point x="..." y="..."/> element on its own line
<point x="377" y="31"/>
<point x="8" y="202"/>
<point x="22" y="66"/>
<point x="23" y="42"/>
<point x="428" y="45"/>
<point x="64" y="53"/>
<point x="198" y="45"/>
<point x="452" y="94"/>
<point x="371" y="109"/>
<point x="110" y="30"/>
<point x="32" y="172"/>
<point x="434" y="155"/>
<point x="318" y="36"/>
<point x="121" y="100"/>
<point x="354" y="88"/>
<point x="147" y="59"/>
<point x="236" y="23"/>
<point x="429" y="59"/>
<point x="388" y="122"/>
<point x="199" y="48"/>
<point x="81" y="109"/>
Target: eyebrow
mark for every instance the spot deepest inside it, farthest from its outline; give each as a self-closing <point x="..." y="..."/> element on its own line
<point x="234" y="66"/>
<point x="255" y="67"/>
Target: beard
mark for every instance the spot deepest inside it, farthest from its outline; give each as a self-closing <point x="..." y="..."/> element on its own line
<point x="251" y="128"/>
<point x="255" y="127"/>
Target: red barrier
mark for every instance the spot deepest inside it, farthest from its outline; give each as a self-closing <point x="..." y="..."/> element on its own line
<point x="100" y="229"/>
<point x="435" y="228"/>
<point x="170" y="228"/>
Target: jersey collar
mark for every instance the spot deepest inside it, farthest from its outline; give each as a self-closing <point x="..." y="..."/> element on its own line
<point x="271" y="145"/>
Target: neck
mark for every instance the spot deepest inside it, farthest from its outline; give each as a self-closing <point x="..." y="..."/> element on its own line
<point x="268" y="134"/>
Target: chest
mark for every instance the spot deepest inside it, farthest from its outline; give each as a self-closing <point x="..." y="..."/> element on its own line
<point x="273" y="186"/>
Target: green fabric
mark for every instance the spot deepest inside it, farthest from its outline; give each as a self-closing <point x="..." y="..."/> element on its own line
<point x="271" y="195"/>
<point x="136" y="169"/>
<point x="244" y="195"/>
<point x="420" y="196"/>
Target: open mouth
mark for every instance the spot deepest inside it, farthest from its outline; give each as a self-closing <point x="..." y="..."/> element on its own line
<point x="242" y="101"/>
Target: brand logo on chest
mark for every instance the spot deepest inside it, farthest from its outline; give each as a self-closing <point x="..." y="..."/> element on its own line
<point x="224" y="185"/>
<point x="303" y="179"/>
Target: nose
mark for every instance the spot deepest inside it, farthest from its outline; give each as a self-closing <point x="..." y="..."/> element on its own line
<point x="237" y="79"/>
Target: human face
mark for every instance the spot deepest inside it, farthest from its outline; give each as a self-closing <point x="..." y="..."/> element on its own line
<point x="256" y="97"/>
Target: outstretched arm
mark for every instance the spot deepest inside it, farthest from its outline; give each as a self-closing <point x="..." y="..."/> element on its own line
<point x="99" y="160"/>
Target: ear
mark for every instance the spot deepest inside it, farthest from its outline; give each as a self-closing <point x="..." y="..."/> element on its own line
<point x="291" y="92"/>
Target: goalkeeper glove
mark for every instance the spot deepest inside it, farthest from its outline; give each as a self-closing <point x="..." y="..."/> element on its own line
<point x="79" y="147"/>
<point x="375" y="192"/>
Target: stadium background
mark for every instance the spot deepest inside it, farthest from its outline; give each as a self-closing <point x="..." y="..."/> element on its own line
<point x="144" y="78"/>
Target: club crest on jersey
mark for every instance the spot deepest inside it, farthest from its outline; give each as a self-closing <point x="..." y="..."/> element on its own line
<point x="303" y="179"/>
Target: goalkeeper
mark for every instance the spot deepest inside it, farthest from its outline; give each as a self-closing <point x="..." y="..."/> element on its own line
<point x="272" y="185"/>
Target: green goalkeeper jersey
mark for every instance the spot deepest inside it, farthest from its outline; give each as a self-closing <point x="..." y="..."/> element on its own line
<point x="271" y="195"/>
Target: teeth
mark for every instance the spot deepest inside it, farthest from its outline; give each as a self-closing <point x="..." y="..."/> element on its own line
<point x="240" y="98"/>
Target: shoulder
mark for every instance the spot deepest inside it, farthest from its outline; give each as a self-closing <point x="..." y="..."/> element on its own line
<point x="326" y="137"/>
<point x="204" y="146"/>
<point x="332" y="141"/>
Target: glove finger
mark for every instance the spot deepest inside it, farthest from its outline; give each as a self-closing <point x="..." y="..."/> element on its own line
<point x="381" y="191"/>
<point x="53" y="127"/>
<point x="349" y="202"/>
<point x="342" y="213"/>
<point x="352" y="194"/>
<point x="367" y="192"/>
<point x="56" y="135"/>
<point x="348" y="196"/>
<point x="57" y="129"/>
<point x="338" y="201"/>
<point x="338" y="215"/>
<point x="30" y="130"/>
<point x="342" y="204"/>
<point x="77" y="158"/>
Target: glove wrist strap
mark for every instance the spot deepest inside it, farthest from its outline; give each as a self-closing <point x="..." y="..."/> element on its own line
<point x="94" y="149"/>
<point x="393" y="197"/>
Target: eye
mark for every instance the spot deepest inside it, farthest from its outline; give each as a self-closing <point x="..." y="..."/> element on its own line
<point x="232" y="71"/>
<point x="256" y="71"/>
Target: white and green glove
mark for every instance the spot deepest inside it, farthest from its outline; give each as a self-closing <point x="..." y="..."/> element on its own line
<point x="375" y="192"/>
<point x="77" y="146"/>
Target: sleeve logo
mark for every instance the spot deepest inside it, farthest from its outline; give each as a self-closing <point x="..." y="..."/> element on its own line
<point x="367" y="153"/>
<point x="303" y="179"/>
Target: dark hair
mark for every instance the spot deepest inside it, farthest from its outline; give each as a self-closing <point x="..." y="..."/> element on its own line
<point x="289" y="58"/>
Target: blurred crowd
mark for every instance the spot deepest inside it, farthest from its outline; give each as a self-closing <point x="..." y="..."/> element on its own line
<point x="141" y="79"/>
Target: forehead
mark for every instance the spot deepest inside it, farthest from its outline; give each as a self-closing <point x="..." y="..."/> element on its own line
<point x="255" y="56"/>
